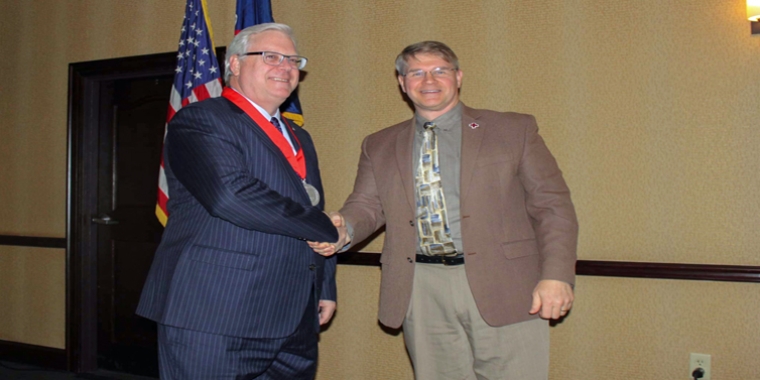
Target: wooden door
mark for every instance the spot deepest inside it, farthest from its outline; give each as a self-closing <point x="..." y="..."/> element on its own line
<point x="128" y="233"/>
<point x="117" y="112"/>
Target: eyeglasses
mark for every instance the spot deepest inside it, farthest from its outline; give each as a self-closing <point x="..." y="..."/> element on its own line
<point x="275" y="59"/>
<point x="438" y="72"/>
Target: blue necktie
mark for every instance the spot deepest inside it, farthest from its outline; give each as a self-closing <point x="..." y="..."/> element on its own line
<point x="276" y="123"/>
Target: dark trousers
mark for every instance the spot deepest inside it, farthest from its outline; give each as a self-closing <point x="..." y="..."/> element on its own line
<point x="188" y="355"/>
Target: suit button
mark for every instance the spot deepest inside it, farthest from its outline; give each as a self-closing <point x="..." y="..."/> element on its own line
<point x="312" y="267"/>
<point x="409" y="259"/>
<point x="411" y="223"/>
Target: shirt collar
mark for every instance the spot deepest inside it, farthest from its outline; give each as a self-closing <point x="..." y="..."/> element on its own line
<point x="448" y="121"/>
<point x="261" y="110"/>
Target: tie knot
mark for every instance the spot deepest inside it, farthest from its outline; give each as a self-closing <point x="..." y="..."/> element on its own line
<point x="275" y="122"/>
<point x="429" y="126"/>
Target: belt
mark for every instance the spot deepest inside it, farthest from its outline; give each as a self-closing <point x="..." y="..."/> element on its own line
<point x="445" y="260"/>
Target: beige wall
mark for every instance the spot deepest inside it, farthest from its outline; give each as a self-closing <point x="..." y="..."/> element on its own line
<point x="33" y="296"/>
<point x="651" y="108"/>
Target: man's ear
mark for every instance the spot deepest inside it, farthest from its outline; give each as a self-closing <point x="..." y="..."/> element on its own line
<point x="235" y="65"/>
<point x="401" y="83"/>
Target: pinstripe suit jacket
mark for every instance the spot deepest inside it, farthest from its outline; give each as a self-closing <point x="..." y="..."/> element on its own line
<point x="233" y="259"/>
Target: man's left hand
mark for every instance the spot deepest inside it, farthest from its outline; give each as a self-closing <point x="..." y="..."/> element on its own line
<point x="326" y="311"/>
<point x="552" y="299"/>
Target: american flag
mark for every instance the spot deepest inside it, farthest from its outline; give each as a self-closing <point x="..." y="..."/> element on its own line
<point x="197" y="77"/>
<point x="252" y="12"/>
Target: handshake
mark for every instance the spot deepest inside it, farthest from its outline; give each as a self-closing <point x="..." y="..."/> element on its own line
<point x="329" y="249"/>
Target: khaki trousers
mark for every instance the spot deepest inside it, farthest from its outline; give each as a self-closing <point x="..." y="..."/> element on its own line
<point x="448" y="340"/>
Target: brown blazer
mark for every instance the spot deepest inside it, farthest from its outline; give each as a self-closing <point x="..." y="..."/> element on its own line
<point x="518" y="222"/>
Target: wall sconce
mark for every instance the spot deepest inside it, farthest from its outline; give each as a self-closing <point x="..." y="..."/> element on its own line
<point x="753" y="14"/>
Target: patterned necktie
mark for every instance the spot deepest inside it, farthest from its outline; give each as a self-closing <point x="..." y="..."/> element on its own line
<point x="432" y="221"/>
<point x="277" y="125"/>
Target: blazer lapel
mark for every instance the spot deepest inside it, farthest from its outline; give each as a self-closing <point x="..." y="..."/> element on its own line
<point x="404" y="158"/>
<point x="248" y="122"/>
<point x="472" y="137"/>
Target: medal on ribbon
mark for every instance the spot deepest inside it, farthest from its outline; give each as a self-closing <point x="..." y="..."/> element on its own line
<point x="313" y="193"/>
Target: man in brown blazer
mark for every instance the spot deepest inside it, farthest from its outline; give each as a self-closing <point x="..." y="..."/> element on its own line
<point x="456" y="185"/>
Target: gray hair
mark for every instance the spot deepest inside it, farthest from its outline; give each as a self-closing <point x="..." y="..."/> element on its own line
<point x="242" y="40"/>
<point x="425" y="47"/>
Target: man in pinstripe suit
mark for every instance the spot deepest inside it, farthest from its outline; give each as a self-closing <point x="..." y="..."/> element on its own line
<point x="235" y="289"/>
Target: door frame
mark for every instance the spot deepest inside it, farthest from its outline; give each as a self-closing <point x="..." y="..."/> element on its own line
<point x="84" y="117"/>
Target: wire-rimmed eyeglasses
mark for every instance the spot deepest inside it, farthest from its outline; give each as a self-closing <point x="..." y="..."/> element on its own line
<point x="438" y="72"/>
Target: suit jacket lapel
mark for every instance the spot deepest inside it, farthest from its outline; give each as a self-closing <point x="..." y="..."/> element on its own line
<point x="404" y="158"/>
<point x="471" y="141"/>
<point x="248" y="122"/>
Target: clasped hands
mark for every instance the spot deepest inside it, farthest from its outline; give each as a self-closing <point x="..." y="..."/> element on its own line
<point x="328" y="249"/>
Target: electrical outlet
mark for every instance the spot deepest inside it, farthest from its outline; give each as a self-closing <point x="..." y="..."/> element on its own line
<point x="699" y="361"/>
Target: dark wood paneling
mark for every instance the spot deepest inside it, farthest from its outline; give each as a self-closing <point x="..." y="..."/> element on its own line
<point x="33" y="241"/>
<point x="359" y="258"/>
<point x="704" y="272"/>
<point x="700" y="272"/>
<point x="45" y="357"/>
<point x="697" y="272"/>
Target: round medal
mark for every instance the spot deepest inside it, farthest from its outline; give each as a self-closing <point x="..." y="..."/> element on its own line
<point x="313" y="193"/>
